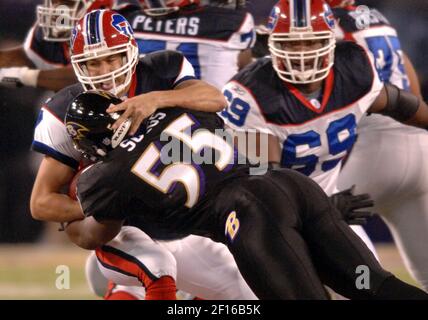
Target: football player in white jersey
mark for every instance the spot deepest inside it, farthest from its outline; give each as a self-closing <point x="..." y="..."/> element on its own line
<point x="210" y="37"/>
<point x="387" y="159"/>
<point x="309" y="97"/>
<point x="158" y="72"/>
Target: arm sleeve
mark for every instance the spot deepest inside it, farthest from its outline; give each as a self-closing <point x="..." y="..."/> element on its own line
<point x="243" y="112"/>
<point x="245" y="37"/>
<point x="51" y="139"/>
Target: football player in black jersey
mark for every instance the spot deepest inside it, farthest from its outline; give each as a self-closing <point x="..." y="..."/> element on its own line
<point x="106" y="60"/>
<point x="287" y="238"/>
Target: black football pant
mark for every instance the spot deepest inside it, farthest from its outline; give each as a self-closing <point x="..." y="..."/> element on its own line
<point x="288" y="240"/>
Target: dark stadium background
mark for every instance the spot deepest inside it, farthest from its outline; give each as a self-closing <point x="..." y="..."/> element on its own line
<point x="19" y="107"/>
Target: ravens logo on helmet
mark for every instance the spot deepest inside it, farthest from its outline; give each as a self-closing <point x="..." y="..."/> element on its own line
<point x="89" y="125"/>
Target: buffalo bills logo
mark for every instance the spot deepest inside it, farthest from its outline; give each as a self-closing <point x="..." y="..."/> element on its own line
<point x="329" y="17"/>
<point x="273" y="19"/>
<point x="121" y="25"/>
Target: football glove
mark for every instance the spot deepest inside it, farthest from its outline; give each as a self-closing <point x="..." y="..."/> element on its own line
<point x="348" y="204"/>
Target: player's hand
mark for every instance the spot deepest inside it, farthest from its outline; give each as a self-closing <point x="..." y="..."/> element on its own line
<point x="137" y="109"/>
<point x="18" y="77"/>
<point x="9" y="77"/>
<point x="348" y="204"/>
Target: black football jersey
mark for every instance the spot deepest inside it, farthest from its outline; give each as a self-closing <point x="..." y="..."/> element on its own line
<point x="164" y="178"/>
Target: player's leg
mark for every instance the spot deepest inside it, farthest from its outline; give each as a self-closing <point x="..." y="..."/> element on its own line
<point x="133" y="259"/>
<point x="408" y="222"/>
<point x="95" y="279"/>
<point x="387" y="165"/>
<point x="339" y="253"/>
<point x="359" y="230"/>
<point x="104" y="288"/>
<point x="207" y="269"/>
<point x="262" y="233"/>
<point x="292" y="202"/>
<point x="407" y="217"/>
<point x="119" y="292"/>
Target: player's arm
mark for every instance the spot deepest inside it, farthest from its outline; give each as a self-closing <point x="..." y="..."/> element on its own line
<point x="54" y="79"/>
<point x="259" y="50"/>
<point x="245" y="57"/>
<point x="47" y="202"/>
<point x="30" y="65"/>
<point x="90" y="234"/>
<point x="415" y="86"/>
<point x="14" y="57"/>
<point x="402" y="106"/>
<point x="191" y="94"/>
<point x="273" y="149"/>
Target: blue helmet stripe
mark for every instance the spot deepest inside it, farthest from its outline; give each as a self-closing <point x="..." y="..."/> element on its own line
<point x="92" y="27"/>
<point x="300" y="14"/>
<point x="87" y="29"/>
<point x="98" y="23"/>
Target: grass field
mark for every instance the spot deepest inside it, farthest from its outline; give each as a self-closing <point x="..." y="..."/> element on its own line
<point x="29" y="272"/>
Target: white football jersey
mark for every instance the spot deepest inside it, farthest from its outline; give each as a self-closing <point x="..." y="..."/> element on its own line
<point x="211" y="38"/>
<point x="316" y="135"/>
<point x="380" y="40"/>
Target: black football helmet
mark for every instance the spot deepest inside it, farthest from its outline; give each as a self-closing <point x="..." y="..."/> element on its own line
<point x="89" y="125"/>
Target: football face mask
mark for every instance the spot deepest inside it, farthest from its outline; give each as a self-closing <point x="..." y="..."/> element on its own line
<point x="58" y="17"/>
<point x="99" y="40"/>
<point x="302" y="40"/>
